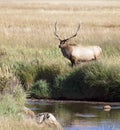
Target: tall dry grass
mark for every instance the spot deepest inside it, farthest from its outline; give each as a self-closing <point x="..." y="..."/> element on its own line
<point x="27" y="28"/>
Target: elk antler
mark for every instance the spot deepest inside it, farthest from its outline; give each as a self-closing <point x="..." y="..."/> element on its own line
<point x="75" y="33"/>
<point x="56" y="32"/>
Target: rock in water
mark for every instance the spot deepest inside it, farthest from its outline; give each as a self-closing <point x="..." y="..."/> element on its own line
<point x="107" y="107"/>
<point x="48" y="120"/>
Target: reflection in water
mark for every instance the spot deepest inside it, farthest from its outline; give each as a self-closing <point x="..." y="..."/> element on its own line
<point x="80" y="116"/>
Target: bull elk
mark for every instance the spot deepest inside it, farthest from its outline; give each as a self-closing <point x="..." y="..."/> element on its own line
<point x="77" y="53"/>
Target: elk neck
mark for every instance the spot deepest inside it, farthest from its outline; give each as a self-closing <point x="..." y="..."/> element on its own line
<point x="66" y="50"/>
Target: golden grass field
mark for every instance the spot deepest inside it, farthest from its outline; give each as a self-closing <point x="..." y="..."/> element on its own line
<point x="27" y="28"/>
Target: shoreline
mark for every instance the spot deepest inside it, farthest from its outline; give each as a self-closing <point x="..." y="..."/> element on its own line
<point x="72" y="101"/>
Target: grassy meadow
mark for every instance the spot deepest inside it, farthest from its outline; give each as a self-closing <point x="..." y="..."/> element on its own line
<point x="30" y="50"/>
<point x="27" y="29"/>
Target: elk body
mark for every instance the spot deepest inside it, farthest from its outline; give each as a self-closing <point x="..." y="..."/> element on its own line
<point x="78" y="53"/>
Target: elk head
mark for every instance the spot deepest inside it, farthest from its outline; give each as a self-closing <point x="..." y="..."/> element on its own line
<point x="62" y="42"/>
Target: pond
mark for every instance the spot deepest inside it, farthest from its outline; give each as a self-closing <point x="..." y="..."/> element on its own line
<point x="76" y="115"/>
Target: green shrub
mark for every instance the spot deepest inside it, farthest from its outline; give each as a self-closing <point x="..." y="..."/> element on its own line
<point x="26" y="74"/>
<point x="57" y="91"/>
<point x="12" y="104"/>
<point x="4" y="83"/>
<point x="101" y="79"/>
<point x="40" y="89"/>
<point x="48" y="73"/>
<point x="8" y="80"/>
<point x="94" y="81"/>
<point x="30" y="73"/>
<point x="19" y="95"/>
<point x="5" y="76"/>
<point x="8" y="106"/>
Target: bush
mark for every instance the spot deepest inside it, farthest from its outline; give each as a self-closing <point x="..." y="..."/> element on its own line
<point x="19" y="95"/>
<point x="30" y="73"/>
<point x="57" y="91"/>
<point x="8" y="106"/>
<point x="8" y="80"/>
<point x="12" y="104"/>
<point x="26" y="74"/>
<point x="40" y="89"/>
<point x="48" y="73"/>
<point x="71" y="86"/>
<point x="94" y="81"/>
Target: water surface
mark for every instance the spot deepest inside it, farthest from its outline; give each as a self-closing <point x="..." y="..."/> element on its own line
<point x="80" y="115"/>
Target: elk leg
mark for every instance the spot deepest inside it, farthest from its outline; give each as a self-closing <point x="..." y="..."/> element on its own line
<point x="73" y="61"/>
